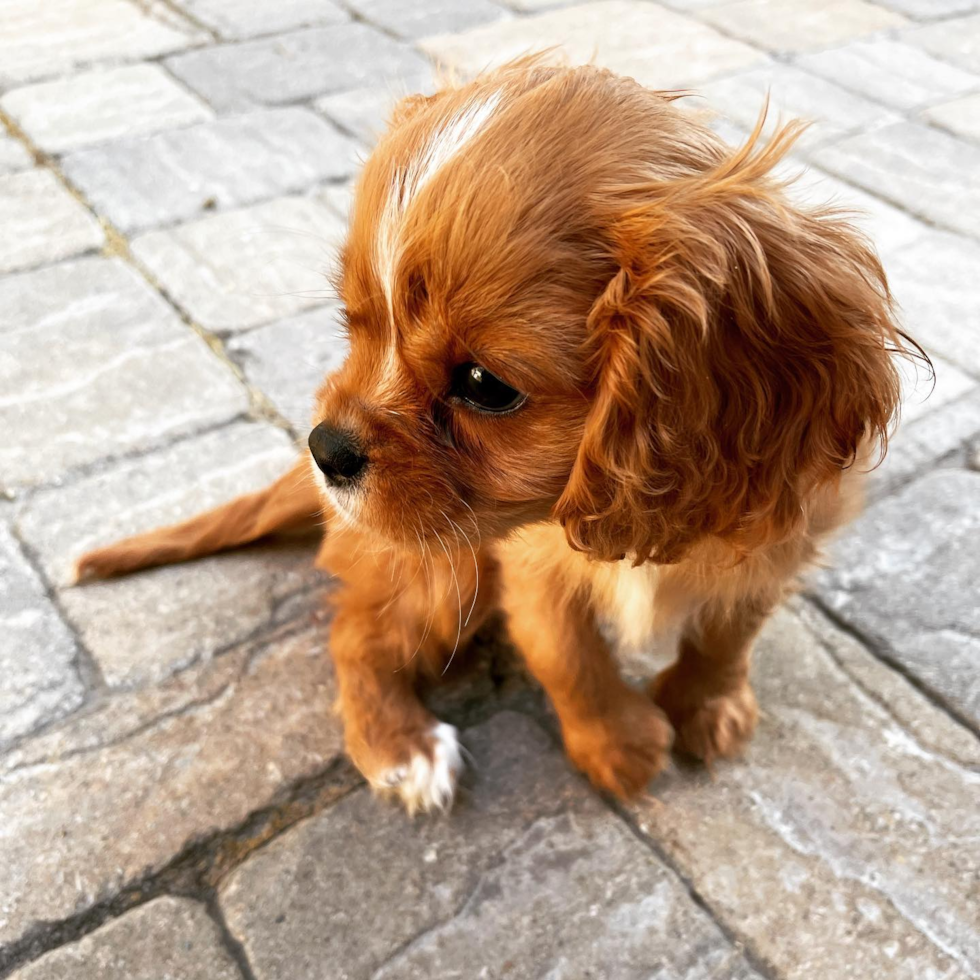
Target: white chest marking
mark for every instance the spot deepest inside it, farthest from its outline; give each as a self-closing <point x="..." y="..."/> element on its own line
<point x="630" y="596"/>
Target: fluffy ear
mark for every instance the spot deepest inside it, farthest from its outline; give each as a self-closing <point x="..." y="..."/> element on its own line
<point x="743" y="356"/>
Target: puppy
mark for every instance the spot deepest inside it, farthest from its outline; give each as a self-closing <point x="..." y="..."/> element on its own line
<point x="602" y="373"/>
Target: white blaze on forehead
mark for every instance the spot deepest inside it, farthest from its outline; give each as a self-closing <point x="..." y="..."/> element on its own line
<point x="442" y="146"/>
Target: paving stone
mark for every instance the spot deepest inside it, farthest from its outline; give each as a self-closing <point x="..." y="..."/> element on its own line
<point x="935" y="282"/>
<point x="794" y="94"/>
<point x="414" y="20"/>
<point x="660" y="48"/>
<point x="37" y="654"/>
<point x="802" y="25"/>
<point x="168" y="937"/>
<point x="364" y="112"/>
<point x="92" y="364"/>
<point x="288" y="360"/>
<point x="13" y="155"/>
<point x="41" y="222"/>
<point x="235" y="20"/>
<point x="924" y="393"/>
<point x="109" y="797"/>
<point x="41" y="40"/>
<point x="956" y="40"/>
<point x="846" y="843"/>
<point x="900" y="75"/>
<point x="242" y="268"/>
<point x="185" y="612"/>
<point x="528" y="6"/>
<point x="919" y="542"/>
<point x="961" y="116"/>
<point x="917" y="166"/>
<point x="339" y="198"/>
<point x="925" y="439"/>
<point x="228" y="163"/>
<point x="530" y="877"/>
<point x="931" y="9"/>
<point x="102" y="105"/>
<point x="295" y="66"/>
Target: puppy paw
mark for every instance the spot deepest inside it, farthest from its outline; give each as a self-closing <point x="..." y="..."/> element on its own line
<point x="708" y="724"/>
<point x="426" y="781"/>
<point x="623" y="750"/>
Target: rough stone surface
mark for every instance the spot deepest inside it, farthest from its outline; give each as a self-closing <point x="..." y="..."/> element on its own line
<point x="956" y="40"/>
<point x="794" y="94"/>
<point x="236" y="270"/>
<point x="531" y="877"/>
<point x="39" y="40"/>
<point x="807" y="25"/>
<point x="295" y="66"/>
<point x="235" y="20"/>
<point x="900" y="75"/>
<point x="845" y="845"/>
<point x="414" y="20"/>
<point x="229" y="163"/>
<point x="97" y="106"/>
<point x="13" y="155"/>
<point x="93" y="364"/>
<point x="661" y="49"/>
<point x="107" y="798"/>
<point x="936" y="284"/>
<point x="37" y="653"/>
<point x="918" y="166"/>
<point x="364" y="112"/>
<point x="920" y="542"/>
<point x="288" y="360"/>
<point x="168" y="937"/>
<point x="931" y="9"/>
<point x="41" y="222"/>
<point x="961" y="116"/>
<point x="144" y="627"/>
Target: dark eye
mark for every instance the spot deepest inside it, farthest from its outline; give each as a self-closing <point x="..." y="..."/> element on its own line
<point x="484" y="391"/>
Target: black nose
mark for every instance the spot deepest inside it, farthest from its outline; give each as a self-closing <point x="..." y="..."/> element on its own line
<point x="337" y="454"/>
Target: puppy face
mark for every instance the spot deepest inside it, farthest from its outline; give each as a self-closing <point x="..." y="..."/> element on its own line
<point x="565" y="300"/>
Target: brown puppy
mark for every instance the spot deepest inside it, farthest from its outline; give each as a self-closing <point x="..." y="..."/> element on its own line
<point x="601" y="370"/>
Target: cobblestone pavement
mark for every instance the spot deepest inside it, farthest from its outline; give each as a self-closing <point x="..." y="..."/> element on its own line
<point x="173" y="798"/>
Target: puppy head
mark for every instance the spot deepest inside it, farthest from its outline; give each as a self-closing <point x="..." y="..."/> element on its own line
<point x="565" y="300"/>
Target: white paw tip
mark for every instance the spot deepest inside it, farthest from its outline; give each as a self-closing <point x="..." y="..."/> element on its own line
<point x="427" y="783"/>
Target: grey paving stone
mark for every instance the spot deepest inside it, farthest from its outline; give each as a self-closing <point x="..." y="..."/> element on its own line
<point x="235" y="20"/>
<point x="961" y="116"/>
<point x="917" y="166"/>
<point x="923" y="393"/>
<point x="931" y="9"/>
<point x="803" y="26"/>
<point x="846" y="843"/>
<point x="956" y="40"/>
<point x="239" y="269"/>
<point x="168" y="937"/>
<point x="41" y="222"/>
<point x="228" y="163"/>
<point x="97" y="106"/>
<point x="339" y="198"/>
<point x="898" y="74"/>
<point x="659" y="48"/>
<point x="794" y="94"/>
<point x="934" y="280"/>
<point x="13" y="155"/>
<point x="531" y="876"/>
<point x="919" y="543"/>
<point x="414" y="20"/>
<point x="295" y="66"/>
<point x="110" y="796"/>
<point x="288" y="360"/>
<point x="92" y="364"/>
<point x="182" y="613"/>
<point x="922" y="441"/>
<point x="365" y="112"/>
<point x="60" y="36"/>
<point x="37" y="654"/>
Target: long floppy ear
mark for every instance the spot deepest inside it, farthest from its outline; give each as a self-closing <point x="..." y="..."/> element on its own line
<point x="743" y="357"/>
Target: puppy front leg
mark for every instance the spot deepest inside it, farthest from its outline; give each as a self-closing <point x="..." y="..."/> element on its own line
<point x="398" y="745"/>
<point x="706" y="692"/>
<point x="612" y="732"/>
